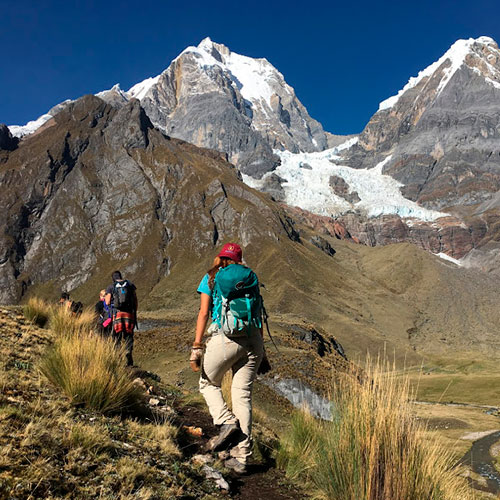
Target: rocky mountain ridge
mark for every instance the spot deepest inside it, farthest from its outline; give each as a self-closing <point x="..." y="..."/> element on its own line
<point x="215" y="98"/>
<point x="101" y="188"/>
<point x="428" y="159"/>
<point x="103" y="185"/>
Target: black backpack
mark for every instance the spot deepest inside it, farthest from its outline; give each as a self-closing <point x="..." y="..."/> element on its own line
<point x="123" y="296"/>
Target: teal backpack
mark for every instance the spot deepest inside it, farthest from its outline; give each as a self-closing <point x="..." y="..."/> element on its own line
<point x="237" y="301"/>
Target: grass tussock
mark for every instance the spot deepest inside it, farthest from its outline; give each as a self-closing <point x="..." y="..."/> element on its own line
<point x="90" y="369"/>
<point x="373" y="449"/>
<point x="37" y="311"/>
<point x="64" y="323"/>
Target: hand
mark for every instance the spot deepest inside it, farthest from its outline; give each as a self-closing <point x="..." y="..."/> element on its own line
<point x="195" y="358"/>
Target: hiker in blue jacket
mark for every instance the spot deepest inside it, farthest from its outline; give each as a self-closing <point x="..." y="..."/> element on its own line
<point x="235" y="344"/>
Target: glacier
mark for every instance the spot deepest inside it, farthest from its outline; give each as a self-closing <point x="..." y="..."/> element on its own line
<point x="307" y="186"/>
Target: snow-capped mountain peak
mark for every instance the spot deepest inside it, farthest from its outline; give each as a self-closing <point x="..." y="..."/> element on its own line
<point x="480" y="54"/>
<point x="139" y="90"/>
<point x="253" y="77"/>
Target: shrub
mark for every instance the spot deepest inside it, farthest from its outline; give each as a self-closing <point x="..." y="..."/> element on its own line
<point x="373" y="449"/>
<point x="91" y="370"/>
<point x="37" y="311"/>
<point x="64" y="322"/>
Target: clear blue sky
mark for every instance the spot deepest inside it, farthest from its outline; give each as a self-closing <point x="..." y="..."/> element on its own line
<point x="342" y="58"/>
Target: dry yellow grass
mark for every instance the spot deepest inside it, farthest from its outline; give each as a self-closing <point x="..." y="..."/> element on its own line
<point x="373" y="449"/>
<point x="63" y="322"/>
<point x="91" y="370"/>
<point x="159" y="437"/>
<point x="50" y="449"/>
<point x="37" y="311"/>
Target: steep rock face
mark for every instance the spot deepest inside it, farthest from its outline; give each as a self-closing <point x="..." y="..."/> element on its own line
<point x="215" y="98"/>
<point x="102" y="188"/>
<point x="451" y="236"/>
<point x="442" y="130"/>
<point x="7" y="141"/>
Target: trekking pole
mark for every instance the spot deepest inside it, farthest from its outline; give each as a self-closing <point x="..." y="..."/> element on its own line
<point x="264" y="313"/>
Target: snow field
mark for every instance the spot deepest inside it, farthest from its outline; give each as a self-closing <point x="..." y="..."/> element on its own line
<point x="443" y="256"/>
<point x="310" y="188"/>
<point x="30" y="127"/>
<point x="251" y="76"/>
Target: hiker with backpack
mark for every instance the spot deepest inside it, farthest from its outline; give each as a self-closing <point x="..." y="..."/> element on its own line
<point x="230" y="295"/>
<point x="122" y="294"/>
<point x="103" y="315"/>
<point x="75" y="308"/>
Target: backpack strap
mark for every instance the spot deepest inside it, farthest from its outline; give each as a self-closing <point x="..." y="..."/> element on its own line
<point x="249" y="310"/>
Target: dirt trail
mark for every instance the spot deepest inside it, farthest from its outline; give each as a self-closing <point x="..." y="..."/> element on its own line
<point x="262" y="482"/>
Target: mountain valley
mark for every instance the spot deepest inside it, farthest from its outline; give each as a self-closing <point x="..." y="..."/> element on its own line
<point x="385" y="244"/>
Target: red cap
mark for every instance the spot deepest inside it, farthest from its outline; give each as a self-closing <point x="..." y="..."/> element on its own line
<point x="231" y="251"/>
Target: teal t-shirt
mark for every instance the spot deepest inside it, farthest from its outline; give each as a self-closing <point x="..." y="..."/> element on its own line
<point x="203" y="287"/>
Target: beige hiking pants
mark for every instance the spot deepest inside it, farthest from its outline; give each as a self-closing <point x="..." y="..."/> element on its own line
<point x="243" y="355"/>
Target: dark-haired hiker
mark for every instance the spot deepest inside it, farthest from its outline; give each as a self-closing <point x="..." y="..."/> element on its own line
<point x="123" y="295"/>
<point x="65" y="302"/>
<point x="76" y="308"/>
<point x="235" y="344"/>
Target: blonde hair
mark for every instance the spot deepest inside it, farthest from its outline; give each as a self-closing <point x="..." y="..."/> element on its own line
<point x="102" y="294"/>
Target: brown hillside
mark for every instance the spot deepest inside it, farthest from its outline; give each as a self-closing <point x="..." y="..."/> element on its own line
<point x="102" y="189"/>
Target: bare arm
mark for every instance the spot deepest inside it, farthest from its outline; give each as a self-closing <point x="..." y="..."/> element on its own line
<point x="107" y="299"/>
<point x="203" y="316"/>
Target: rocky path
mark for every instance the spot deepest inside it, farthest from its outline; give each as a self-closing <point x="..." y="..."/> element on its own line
<point x="263" y="480"/>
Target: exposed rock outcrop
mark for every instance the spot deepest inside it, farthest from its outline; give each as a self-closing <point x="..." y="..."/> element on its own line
<point x="103" y="188"/>
<point x="7" y="141"/>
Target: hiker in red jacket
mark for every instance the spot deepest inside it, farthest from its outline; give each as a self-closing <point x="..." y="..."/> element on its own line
<point x="122" y="293"/>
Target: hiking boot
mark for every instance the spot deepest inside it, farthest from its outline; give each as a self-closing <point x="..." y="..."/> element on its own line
<point x="227" y="431"/>
<point x="235" y="465"/>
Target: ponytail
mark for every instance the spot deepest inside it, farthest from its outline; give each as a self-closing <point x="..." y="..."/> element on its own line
<point x="219" y="262"/>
